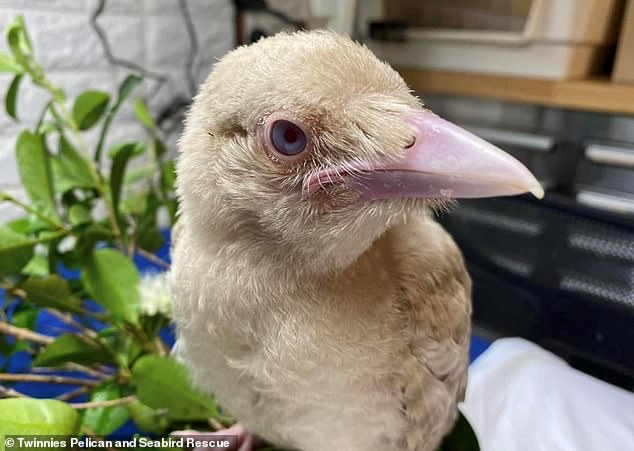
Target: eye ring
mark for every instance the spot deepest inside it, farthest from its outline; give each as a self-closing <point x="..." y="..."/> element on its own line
<point x="285" y="140"/>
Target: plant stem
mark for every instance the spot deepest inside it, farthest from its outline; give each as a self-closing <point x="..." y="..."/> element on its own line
<point x="90" y="371"/>
<point x="68" y="319"/>
<point x="153" y="258"/>
<point x="8" y="197"/>
<point x="40" y="121"/>
<point x="71" y="366"/>
<point x="25" y="334"/>
<point x="215" y="424"/>
<point x="103" y="317"/>
<point x="132" y="241"/>
<point x="101" y="188"/>
<point x="48" y="379"/>
<point x="137" y="332"/>
<point x="11" y="290"/>
<point x="7" y="392"/>
<point x="102" y="137"/>
<point x="160" y="347"/>
<point x="110" y="403"/>
<point x="73" y="394"/>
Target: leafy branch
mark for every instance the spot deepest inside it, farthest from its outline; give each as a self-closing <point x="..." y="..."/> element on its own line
<point x="89" y="213"/>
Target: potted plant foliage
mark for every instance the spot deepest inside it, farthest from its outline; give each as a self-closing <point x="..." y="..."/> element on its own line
<point x="71" y="259"/>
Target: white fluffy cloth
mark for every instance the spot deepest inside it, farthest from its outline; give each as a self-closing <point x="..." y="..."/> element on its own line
<point x="523" y="398"/>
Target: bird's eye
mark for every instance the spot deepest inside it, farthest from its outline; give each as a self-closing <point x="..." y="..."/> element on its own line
<point x="287" y="138"/>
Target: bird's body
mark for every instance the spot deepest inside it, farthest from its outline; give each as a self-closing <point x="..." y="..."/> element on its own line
<point x="299" y="367"/>
<point x="314" y="294"/>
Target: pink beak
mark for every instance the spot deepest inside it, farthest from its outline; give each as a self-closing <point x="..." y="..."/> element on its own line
<point x="445" y="161"/>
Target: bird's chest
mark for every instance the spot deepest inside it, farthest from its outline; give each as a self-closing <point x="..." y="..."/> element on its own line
<point x="356" y="320"/>
<point x="344" y="347"/>
<point x="345" y="328"/>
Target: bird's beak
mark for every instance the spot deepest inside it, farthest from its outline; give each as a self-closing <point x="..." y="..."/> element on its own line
<point x="445" y="161"/>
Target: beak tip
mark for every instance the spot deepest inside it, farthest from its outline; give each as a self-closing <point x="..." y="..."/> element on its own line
<point x="537" y="191"/>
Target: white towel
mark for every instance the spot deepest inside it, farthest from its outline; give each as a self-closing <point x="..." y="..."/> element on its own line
<point x="521" y="397"/>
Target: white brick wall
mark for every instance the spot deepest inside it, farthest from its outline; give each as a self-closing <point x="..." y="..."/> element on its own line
<point x="150" y="33"/>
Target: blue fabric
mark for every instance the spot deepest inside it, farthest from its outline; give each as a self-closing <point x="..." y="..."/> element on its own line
<point x="478" y="346"/>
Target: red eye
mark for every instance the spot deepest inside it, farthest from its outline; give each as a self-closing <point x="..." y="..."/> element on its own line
<point x="287" y="138"/>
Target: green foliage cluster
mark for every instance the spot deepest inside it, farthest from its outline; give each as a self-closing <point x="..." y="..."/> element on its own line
<point x="91" y="210"/>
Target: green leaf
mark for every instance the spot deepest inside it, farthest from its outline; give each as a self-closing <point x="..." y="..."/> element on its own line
<point x="25" y="317"/>
<point x="21" y="225"/>
<point x="51" y="291"/>
<point x="9" y="64"/>
<point x="105" y="420"/>
<point x="112" y="280"/>
<point x="163" y="383"/>
<point x="49" y="235"/>
<point x="159" y="148"/>
<point x="35" y="174"/>
<point x="89" y="107"/>
<point x="135" y="203"/>
<point x="17" y="38"/>
<point x="19" y="42"/>
<point x="90" y="236"/>
<point x="125" y="89"/>
<point x="11" y="97"/>
<point x="168" y="180"/>
<point x="48" y="127"/>
<point x="70" y="169"/>
<point x="150" y="239"/>
<point x="127" y="86"/>
<point x="121" y="155"/>
<point x="15" y="251"/>
<point x="24" y="416"/>
<point x="168" y="176"/>
<point x="69" y="348"/>
<point x="30" y="224"/>
<point x="37" y="266"/>
<point x="143" y="114"/>
<point x="134" y="175"/>
<point x="125" y="346"/>
<point x="146" y="418"/>
<point x="135" y="148"/>
<point x="79" y="214"/>
<point x="461" y="438"/>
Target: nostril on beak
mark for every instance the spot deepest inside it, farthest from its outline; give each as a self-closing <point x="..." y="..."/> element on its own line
<point x="412" y="142"/>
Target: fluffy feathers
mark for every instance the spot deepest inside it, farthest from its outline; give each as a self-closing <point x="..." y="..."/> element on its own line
<point x="319" y="323"/>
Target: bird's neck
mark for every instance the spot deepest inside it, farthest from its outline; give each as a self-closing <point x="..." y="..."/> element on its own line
<point x="268" y="258"/>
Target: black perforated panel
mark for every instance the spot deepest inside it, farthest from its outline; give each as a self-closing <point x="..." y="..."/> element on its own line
<point x="555" y="272"/>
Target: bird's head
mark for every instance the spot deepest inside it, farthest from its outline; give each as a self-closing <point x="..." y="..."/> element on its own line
<point x="307" y="147"/>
